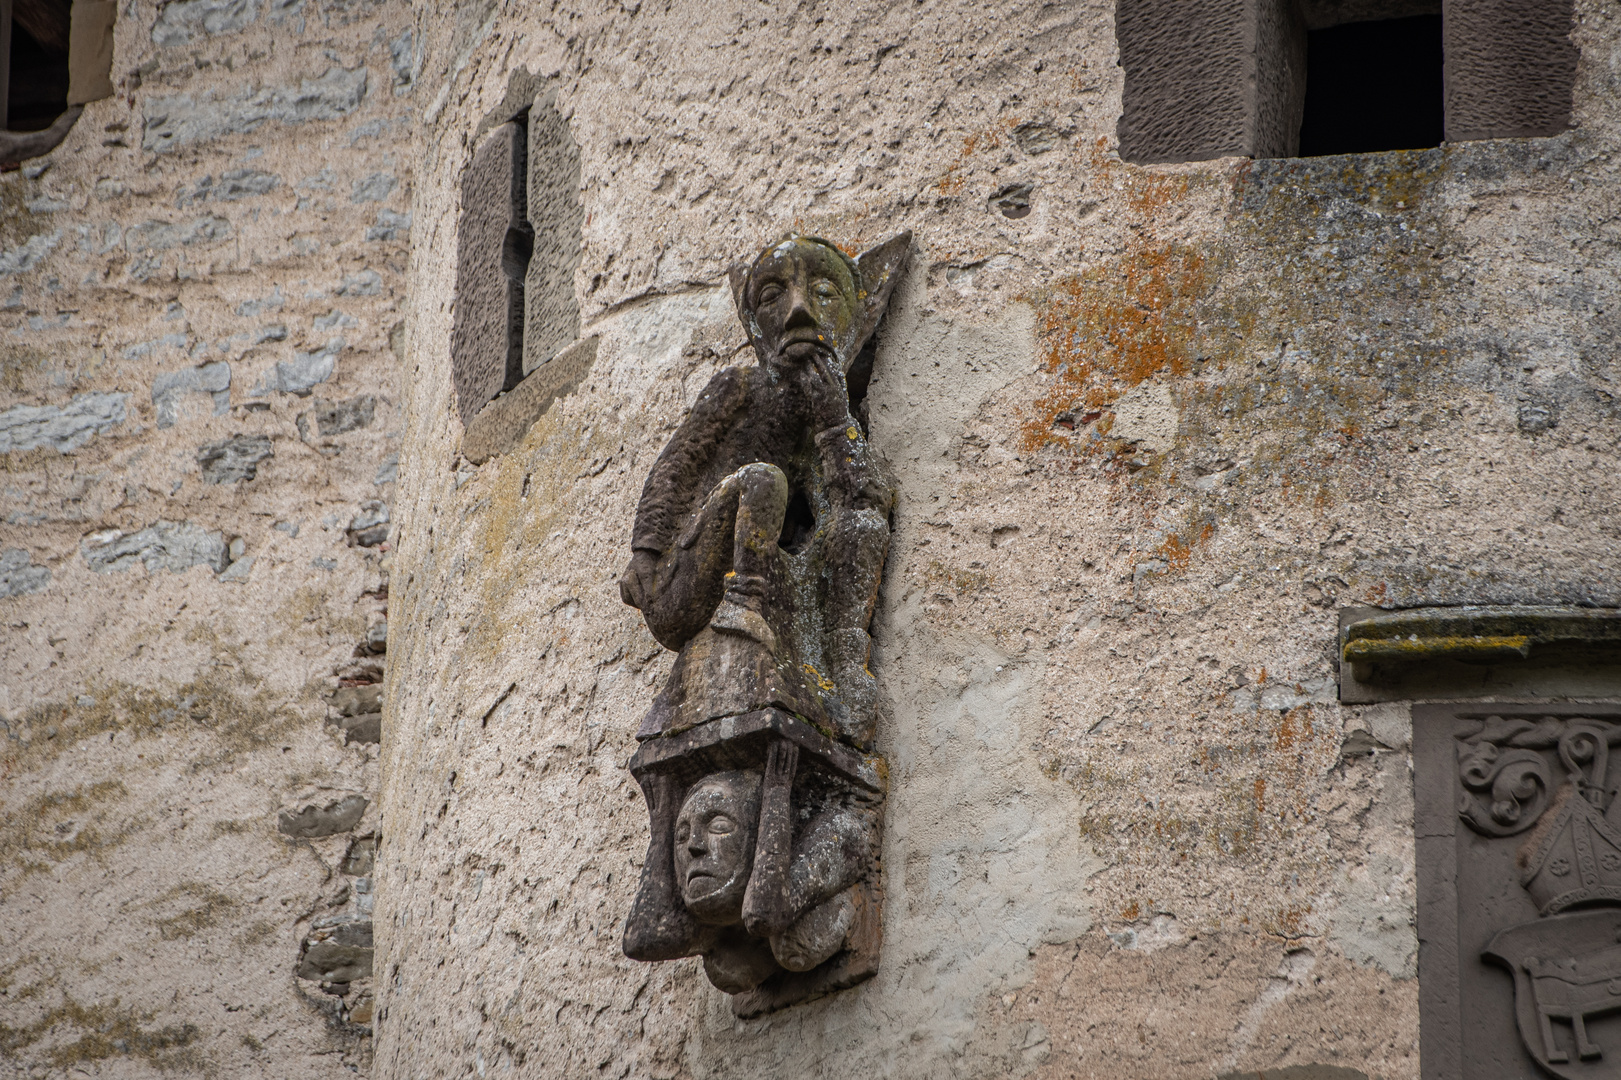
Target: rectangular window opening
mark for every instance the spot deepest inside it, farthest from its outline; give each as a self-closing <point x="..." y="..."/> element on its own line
<point x="1374" y="86"/>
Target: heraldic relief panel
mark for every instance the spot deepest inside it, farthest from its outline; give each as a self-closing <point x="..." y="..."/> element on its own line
<point x="1519" y="852"/>
<point x="756" y="555"/>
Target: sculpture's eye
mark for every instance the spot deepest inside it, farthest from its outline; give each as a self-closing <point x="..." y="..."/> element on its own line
<point x="826" y="291"/>
<point x="720" y="824"/>
<point x="682" y="832"/>
<point x="770" y="292"/>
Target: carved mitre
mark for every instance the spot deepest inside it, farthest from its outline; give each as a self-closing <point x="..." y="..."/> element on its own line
<point x="1574" y="859"/>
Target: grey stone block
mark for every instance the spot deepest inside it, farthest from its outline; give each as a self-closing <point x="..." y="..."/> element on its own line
<point x="186" y="21"/>
<point x="243" y="184"/>
<point x="315" y="820"/>
<point x="358" y="700"/>
<point x="369" y="527"/>
<point x="551" y="312"/>
<point x="231" y="460"/>
<point x="1510" y="67"/>
<point x="170" y="388"/>
<point x="493" y="240"/>
<point x="365" y="283"/>
<point x="361" y="857"/>
<point x="18" y="577"/>
<point x="63" y="428"/>
<point x="162" y="235"/>
<point x="502" y="423"/>
<point x="330" y="962"/>
<point x="166" y="545"/>
<point x="300" y="375"/>
<point x="338" y="417"/>
<point x="367" y="728"/>
<point x="374" y="188"/>
<point x="28" y="254"/>
<point x="388" y="471"/>
<point x="180" y="119"/>
<point x="390" y="226"/>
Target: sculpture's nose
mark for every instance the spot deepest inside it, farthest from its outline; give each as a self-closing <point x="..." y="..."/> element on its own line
<point x="799" y="312"/>
<point x="695" y="843"/>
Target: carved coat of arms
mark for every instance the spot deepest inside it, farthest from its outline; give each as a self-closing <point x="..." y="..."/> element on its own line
<point x="1546" y="780"/>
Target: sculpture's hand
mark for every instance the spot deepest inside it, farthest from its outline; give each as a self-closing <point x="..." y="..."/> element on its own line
<point x="826" y="389"/>
<point x="660" y="791"/>
<point x="781" y="762"/>
<point x="636" y="583"/>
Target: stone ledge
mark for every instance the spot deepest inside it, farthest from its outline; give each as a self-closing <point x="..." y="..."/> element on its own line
<point x="1471" y="651"/>
<point x="500" y="425"/>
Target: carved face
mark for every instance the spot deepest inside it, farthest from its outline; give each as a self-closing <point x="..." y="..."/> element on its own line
<point x="714" y="845"/>
<point x="803" y="298"/>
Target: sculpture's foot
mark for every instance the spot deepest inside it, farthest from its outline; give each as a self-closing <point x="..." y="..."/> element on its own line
<point x="739" y="613"/>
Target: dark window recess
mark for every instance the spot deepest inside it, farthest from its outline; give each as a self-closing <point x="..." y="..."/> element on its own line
<point x="1374" y="86"/>
<point x="37" y="69"/>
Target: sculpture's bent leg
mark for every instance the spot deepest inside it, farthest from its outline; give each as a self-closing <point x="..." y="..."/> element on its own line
<point x="735" y="530"/>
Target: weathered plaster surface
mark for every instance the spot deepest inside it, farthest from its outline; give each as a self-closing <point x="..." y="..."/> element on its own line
<point x="1180" y="415"/>
<point x="197" y="399"/>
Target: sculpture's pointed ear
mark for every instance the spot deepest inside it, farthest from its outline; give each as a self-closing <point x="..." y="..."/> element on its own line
<point x="881" y="268"/>
<point x="738" y="275"/>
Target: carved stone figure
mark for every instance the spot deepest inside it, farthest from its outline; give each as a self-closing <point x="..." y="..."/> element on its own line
<point x="756" y="555"/>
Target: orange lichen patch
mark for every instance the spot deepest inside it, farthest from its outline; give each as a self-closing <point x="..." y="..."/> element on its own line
<point x="1290" y="922"/>
<point x="986" y="139"/>
<point x="1131" y="911"/>
<point x="1260" y="794"/>
<point x="1107" y="329"/>
<point x="1178" y="552"/>
<point x="1286" y="731"/>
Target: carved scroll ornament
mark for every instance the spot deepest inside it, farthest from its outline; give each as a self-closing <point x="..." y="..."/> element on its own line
<point x="756" y="555"/>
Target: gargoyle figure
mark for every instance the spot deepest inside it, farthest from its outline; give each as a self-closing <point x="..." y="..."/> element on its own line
<point x="763" y="526"/>
<point x="757" y="551"/>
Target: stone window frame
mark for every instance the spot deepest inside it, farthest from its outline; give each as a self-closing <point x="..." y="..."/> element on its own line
<point x="1214" y="78"/>
<point x="90" y="63"/>
<point x="531" y="244"/>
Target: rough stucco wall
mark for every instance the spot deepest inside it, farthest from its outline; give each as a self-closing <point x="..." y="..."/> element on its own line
<point x="225" y="234"/>
<point x="1149" y="844"/>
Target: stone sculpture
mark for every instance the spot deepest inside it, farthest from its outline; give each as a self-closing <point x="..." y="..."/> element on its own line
<point x="757" y="551"/>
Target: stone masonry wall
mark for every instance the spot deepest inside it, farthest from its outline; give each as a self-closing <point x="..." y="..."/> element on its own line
<point x="1149" y="437"/>
<point x="202" y="294"/>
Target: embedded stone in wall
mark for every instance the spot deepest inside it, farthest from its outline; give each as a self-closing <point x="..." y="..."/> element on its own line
<point x="551" y="315"/>
<point x="369" y="527"/>
<point x="165" y="545"/>
<point x="1519" y="875"/>
<point x="177" y="120"/>
<point x="63" y="428"/>
<point x="338" y="950"/>
<point x="323" y="819"/>
<point x="493" y="245"/>
<point x="231" y="460"/>
<point x="1510" y="68"/>
<point x="19" y="576"/>
<point x="169" y="390"/>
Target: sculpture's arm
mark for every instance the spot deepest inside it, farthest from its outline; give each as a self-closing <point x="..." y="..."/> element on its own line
<point x="789" y="879"/>
<point x="855" y="480"/>
<point x="767" y="902"/>
<point x="659" y="926"/>
<point x="670" y="492"/>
